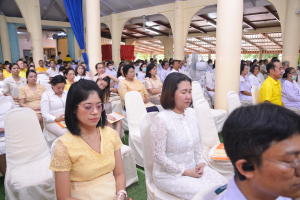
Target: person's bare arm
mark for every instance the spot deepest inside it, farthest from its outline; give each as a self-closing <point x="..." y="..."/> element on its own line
<point x="63" y="186"/>
<point x="267" y="101"/>
<point x="246" y="93"/>
<point x="154" y="91"/>
<point x="208" y="89"/>
<point x="119" y="173"/>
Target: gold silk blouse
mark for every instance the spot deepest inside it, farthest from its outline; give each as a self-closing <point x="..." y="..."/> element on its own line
<point x="127" y="86"/>
<point x="73" y="154"/>
<point x="32" y="99"/>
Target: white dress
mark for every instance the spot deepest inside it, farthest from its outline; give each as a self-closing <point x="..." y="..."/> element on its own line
<point x="177" y="147"/>
<point x="254" y="81"/>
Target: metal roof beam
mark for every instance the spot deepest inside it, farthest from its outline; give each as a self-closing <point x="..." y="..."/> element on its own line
<point x="130" y="6"/>
<point x="249" y="23"/>
<point x="272" y="40"/>
<point x="272" y="12"/>
<point x="192" y="43"/>
<point x="133" y="30"/>
<point x="112" y="8"/>
<point x="198" y="28"/>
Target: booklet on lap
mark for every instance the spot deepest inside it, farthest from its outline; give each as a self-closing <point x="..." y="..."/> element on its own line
<point x="116" y="115"/>
<point x="220" y="153"/>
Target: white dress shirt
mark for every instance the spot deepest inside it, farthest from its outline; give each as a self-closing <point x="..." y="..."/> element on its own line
<point x="233" y="193"/>
<point x="163" y="74"/>
<point x="56" y="106"/>
<point x="57" y="58"/>
<point x="254" y="81"/>
<point x="52" y="72"/>
<point x="137" y="69"/>
<point x="77" y="78"/>
<point x="112" y="72"/>
<point x="141" y="76"/>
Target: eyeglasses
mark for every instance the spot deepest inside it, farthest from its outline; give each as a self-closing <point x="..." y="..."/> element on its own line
<point x="89" y="107"/>
<point x="296" y="167"/>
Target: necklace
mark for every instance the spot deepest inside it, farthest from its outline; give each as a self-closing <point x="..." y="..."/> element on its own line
<point x="98" y="146"/>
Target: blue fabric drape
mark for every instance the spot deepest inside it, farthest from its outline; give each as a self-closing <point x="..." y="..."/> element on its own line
<point x="1" y="53"/>
<point x="14" y="42"/>
<point x="74" y="11"/>
<point x="71" y="47"/>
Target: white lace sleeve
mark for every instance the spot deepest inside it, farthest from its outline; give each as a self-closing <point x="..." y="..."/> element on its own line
<point x="159" y="135"/>
<point x="198" y="155"/>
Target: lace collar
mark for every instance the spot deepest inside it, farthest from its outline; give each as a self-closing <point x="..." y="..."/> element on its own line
<point x="178" y="116"/>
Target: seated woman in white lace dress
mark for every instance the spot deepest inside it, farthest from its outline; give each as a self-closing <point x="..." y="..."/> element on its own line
<point x="179" y="167"/>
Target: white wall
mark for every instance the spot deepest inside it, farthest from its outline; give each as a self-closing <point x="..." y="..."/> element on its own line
<point x="25" y="40"/>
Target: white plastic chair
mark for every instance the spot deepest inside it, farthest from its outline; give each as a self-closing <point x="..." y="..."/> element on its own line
<point x="208" y="133"/>
<point x="28" y="158"/>
<point x="135" y="109"/>
<point x="233" y="101"/>
<point x="209" y="193"/>
<point x="255" y="95"/>
<point x="152" y="191"/>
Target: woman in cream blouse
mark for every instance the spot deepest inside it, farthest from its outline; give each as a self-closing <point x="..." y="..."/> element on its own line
<point x="153" y="84"/>
<point x="53" y="105"/>
<point x="13" y="83"/>
<point x="87" y="159"/>
<point x="30" y="95"/>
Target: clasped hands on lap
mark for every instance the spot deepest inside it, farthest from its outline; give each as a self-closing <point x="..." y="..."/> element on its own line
<point x="195" y="172"/>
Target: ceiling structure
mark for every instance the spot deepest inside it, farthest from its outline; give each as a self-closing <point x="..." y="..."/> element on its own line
<point x="257" y="14"/>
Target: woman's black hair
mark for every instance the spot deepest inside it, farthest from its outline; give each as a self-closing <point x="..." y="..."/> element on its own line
<point x="149" y="68"/>
<point x="78" y="92"/>
<point x="119" y="70"/>
<point x="126" y="68"/>
<point x="242" y="68"/>
<point x="287" y="71"/>
<point x="167" y="99"/>
<point x="106" y="90"/>
<point x="252" y="68"/>
<point x="98" y="64"/>
<point x="11" y="65"/>
<point x="28" y="71"/>
<point x="58" y="79"/>
<point x="1" y="69"/>
<point x="67" y="71"/>
<point x="141" y="67"/>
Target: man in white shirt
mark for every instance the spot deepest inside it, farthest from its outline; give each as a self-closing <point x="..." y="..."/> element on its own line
<point x="115" y="67"/>
<point x="182" y="68"/>
<point x="137" y="67"/>
<point x="58" y="56"/>
<point x="262" y="143"/>
<point x="176" y="66"/>
<point x="164" y="71"/>
<point x="110" y="69"/>
<point x="52" y="71"/>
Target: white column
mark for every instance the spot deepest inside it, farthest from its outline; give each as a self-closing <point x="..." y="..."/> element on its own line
<point x="178" y="31"/>
<point x="116" y="39"/>
<point x="77" y="49"/>
<point x="4" y="38"/>
<point x="93" y="33"/>
<point x="228" y="49"/>
<point x="291" y="34"/>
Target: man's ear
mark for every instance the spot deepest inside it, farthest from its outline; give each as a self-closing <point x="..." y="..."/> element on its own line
<point x="245" y="167"/>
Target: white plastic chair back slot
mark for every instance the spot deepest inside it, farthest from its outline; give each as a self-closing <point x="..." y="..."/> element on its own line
<point x="208" y="130"/>
<point x="209" y="193"/>
<point x="255" y="95"/>
<point x="21" y="136"/>
<point x="233" y="101"/>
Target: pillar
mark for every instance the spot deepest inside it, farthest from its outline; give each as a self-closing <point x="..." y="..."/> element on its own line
<point x="209" y="54"/>
<point x="71" y="45"/>
<point x="260" y="54"/>
<point x="116" y="39"/>
<point x="291" y="34"/>
<point x="93" y="30"/>
<point x="14" y="42"/>
<point x="178" y="31"/>
<point x="30" y="10"/>
<point x="77" y="49"/>
<point x="228" y="49"/>
<point x="4" y="38"/>
<point x="1" y="54"/>
<point x="168" y="47"/>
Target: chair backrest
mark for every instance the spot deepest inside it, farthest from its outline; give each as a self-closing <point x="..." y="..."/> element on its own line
<point x="209" y="192"/>
<point x="135" y="109"/>
<point x="207" y="127"/>
<point x="255" y="95"/>
<point x="233" y="101"/>
<point x="146" y="123"/>
<point x="24" y="139"/>
<point x="7" y="103"/>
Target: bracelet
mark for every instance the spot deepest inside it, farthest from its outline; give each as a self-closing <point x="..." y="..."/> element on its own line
<point x="124" y="192"/>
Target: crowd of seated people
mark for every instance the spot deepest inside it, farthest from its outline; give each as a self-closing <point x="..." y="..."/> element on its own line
<point x="82" y="103"/>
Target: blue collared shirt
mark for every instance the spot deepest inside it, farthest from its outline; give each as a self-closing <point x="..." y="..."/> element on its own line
<point x="233" y="193"/>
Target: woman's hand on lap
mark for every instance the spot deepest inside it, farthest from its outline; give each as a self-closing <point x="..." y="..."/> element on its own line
<point x="199" y="169"/>
<point x="192" y="173"/>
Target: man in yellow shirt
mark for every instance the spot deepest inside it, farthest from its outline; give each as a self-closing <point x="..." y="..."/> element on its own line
<point x="23" y="70"/>
<point x="53" y="58"/>
<point x="6" y="71"/>
<point x="270" y="91"/>
<point x="68" y="59"/>
<point x="41" y="69"/>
